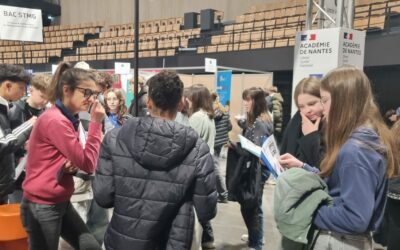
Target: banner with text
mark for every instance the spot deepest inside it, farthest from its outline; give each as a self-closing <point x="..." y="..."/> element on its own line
<point x="224" y="79"/>
<point x="319" y="51"/>
<point x="20" y="24"/>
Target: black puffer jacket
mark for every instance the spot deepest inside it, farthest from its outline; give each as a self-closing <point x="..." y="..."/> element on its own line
<point x="151" y="170"/>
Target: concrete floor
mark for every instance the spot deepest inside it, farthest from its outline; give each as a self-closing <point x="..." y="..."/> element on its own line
<point x="229" y="226"/>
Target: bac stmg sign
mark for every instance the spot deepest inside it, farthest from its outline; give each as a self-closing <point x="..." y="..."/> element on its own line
<point x="20" y="24"/>
<point x="319" y="51"/>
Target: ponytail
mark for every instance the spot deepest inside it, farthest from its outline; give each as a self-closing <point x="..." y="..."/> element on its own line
<point x="55" y="89"/>
<point x="67" y="76"/>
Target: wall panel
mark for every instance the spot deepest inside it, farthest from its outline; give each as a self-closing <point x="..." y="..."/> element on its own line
<point x="122" y="11"/>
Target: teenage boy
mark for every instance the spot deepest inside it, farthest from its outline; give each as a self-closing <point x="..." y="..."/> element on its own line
<point x="23" y="110"/>
<point x="13" y="81"/>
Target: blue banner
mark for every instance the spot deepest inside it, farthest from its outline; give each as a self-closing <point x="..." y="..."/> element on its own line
<point x="224" y="79"/>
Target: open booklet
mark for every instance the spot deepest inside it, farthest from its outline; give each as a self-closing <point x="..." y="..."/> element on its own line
<point x="268" y="153"/>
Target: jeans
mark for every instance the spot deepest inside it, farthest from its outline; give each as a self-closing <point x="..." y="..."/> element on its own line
<point x="221" y="186"/>
<point x="45" y="224"/>
<point x="254" y="220"/>
<point x="208" y="235"/>
<point x="335" y="241"/>
<point x="97" y="221"/>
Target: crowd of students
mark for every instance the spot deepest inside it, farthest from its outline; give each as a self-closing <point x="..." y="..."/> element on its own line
<point x="85" y="152"/>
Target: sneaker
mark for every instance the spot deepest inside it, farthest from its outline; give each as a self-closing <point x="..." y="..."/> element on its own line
<point x="208" y="245"/>
<point x="223" y="200"/>
<point x="245" y="238"/>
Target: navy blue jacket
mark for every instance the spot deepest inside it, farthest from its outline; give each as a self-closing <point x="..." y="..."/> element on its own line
<point x="358" y="186"/>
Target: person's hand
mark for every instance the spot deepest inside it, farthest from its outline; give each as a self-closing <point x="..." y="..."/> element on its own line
<point x="289" y="161"/>
<point x="32" y="121"/>
<point x="97" y="113"/>
<point x="69" y="168"/>
<point x="307" y="126"/>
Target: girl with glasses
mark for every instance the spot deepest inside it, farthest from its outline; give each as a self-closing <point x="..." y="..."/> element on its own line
<point x="55" y="153"/>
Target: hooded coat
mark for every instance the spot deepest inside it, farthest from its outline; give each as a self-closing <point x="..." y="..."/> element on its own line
<point x="153" y="172"/>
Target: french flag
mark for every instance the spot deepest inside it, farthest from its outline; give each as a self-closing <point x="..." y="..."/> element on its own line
<point x="303" y="37"/>
<point x="313" y="37"/>
<point x="348" y="36"/>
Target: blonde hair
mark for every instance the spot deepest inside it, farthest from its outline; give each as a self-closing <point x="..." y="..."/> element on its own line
<point x="352" y="106"/>
<point x="41" y="82"/>
<point x="141" y="80"/>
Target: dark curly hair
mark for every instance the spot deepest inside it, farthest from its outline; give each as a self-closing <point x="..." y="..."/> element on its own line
<point x="13" y="73"/>
<point x="165" y="90"/>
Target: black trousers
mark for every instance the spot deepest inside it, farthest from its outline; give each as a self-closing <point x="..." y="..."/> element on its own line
<point x="45" y="224"/>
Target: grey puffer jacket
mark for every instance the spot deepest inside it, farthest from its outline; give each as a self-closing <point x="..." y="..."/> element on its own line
<point x="152" y="171"/>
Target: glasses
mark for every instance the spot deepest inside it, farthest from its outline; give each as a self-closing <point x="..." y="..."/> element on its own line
<point x="87" y="93"/>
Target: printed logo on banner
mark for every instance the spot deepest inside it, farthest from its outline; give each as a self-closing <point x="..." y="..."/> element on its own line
<point x="310" y="37"/>
<point x="319" y="76"/>
<point x="348" y="36"/>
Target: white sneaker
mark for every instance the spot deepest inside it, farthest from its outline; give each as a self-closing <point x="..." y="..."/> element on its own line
<point x="245" y="238"/>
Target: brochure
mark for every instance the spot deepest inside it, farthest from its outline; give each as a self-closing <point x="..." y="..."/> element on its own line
<point x="268" y="153"/>
<point x="270" y="156"/>
<point x="250" y="146"/>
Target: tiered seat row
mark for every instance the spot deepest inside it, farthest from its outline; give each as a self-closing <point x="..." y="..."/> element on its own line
<point x="272" y="25"/>
<point x="56" y="38"/>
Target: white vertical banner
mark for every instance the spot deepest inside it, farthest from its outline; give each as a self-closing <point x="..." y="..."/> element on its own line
<point x="20" y="24"/>
<point x="319" y="51"/>
<point x="352" y="47"/>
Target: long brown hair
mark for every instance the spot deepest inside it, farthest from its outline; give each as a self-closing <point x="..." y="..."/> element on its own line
<point x="200" y="97"/>
<point x="121" y="110"/>
<point x="259" y="107"/>
<point x="65" y="75"/>
<point x="352" y="106"/>
<point x="309" y="85"/>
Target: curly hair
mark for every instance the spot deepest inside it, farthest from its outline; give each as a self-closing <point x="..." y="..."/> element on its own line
<point x="165" y="90"/>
